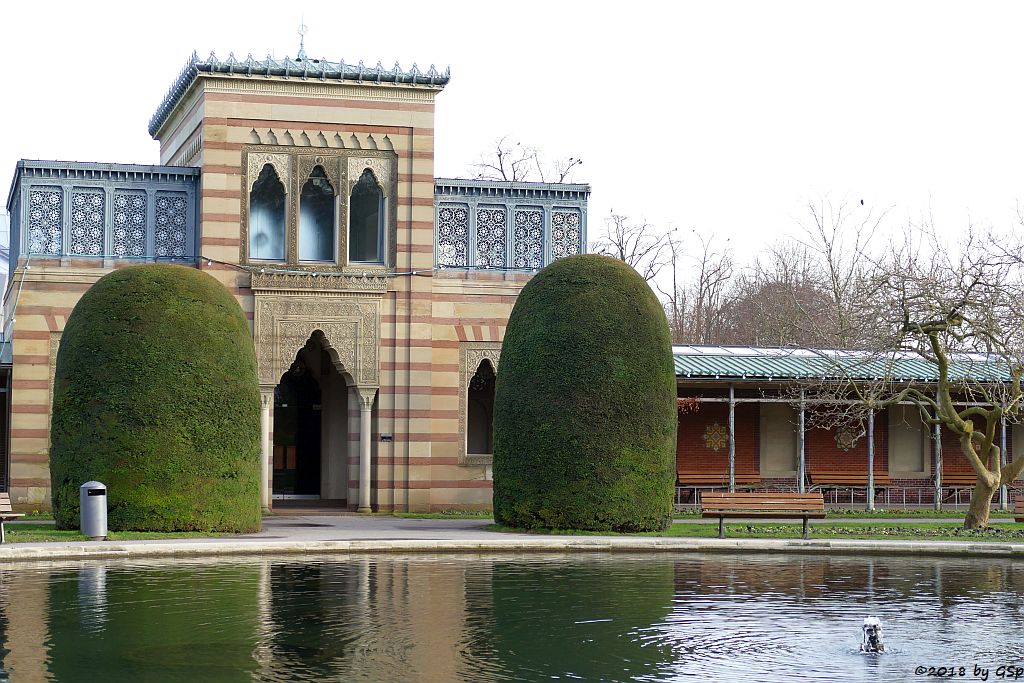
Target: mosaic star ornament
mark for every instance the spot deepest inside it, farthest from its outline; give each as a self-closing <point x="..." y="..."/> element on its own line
<point x="715" y="437"/>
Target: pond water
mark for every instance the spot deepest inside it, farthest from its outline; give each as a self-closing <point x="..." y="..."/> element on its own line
<point x="591" y="617"/>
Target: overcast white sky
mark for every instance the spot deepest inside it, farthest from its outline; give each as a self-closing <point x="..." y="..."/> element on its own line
<point x="721" y="116"/>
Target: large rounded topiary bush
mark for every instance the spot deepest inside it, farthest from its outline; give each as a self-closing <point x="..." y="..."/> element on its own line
<point x="156" y="396"/>
<point x="584" y="410"/>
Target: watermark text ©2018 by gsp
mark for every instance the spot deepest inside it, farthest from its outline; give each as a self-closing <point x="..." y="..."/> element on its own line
<point x="1006" y="672"/>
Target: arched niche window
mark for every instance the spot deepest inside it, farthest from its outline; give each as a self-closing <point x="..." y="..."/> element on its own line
<point x="366" y="221"/>
<point x="316" y="218"/>
<point x="266" y="216"/>
<point x="480" y="416"/>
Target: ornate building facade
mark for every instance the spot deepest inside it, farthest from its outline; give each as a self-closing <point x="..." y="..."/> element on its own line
<point x="378" y="294"/>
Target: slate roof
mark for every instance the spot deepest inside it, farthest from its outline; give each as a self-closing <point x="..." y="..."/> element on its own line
<point x="300" y="67"/>
<point x="758" y="363"/>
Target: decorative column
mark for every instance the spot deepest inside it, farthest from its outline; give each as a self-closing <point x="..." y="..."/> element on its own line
<point x="471" y="236"/>
<point x="366" y="396"/>
<point x="266" y="452"/>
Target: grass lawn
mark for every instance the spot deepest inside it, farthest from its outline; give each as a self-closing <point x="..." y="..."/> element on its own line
<point x="447" y="514"/>
<point x="911" y="512"/>
<point x="918" y="531"/>
<point x="37" y="515"/>
<point x="945" y="531"/>
<point x="832" y="514"/>
<point x="46" y="533"/>
<point x="880" y="514"/>
<point x="687" y="514"/>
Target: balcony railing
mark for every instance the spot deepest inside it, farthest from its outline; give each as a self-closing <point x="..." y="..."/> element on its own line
<point x="487" y="224"/>
<point x="67" y="210"/>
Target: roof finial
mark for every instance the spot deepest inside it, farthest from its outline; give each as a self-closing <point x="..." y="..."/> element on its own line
<point x="303" y="30"/>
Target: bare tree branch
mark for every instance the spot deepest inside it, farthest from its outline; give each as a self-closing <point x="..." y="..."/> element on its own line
<point x="956" y="307"/>
<point x="635" y="243"/>
<point x="510" y="160"/>
<point x="694" y="306"/>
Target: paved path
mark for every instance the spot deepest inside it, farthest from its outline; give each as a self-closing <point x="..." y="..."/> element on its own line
<point x="377" y="534"/>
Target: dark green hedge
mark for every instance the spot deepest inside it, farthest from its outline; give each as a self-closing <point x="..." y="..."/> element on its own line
<point x="156" y="396"/>
<point x="584" y="413"/>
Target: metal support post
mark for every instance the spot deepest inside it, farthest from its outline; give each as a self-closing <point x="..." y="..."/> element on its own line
<point x="732" y="439"/>
<point x="871" y="461"/>
<point x="937" y="439"/>
<point x="1004" y="498"/>
<point x="800" y="444"/>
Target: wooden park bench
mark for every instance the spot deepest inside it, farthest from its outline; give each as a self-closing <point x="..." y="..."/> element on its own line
<point x="846" y="478"/>
<point x="698" y="478"/>
<point x="6" y="514"/>
<point x="959" y="478"/>
<point x="966" y="479"/>
<point x="762" y="506"/>
<point x="1018" y="510"/>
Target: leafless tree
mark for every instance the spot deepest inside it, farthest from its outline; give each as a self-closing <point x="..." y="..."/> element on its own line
<point x="699" y="284"/>
<point x="801" y="292"/>
<point x="777" y="301"/>
<point x="839" y="236"/>
<point x="958" y="309"/>
<point x="636" y="243"/>
<point x="511" y="160"/>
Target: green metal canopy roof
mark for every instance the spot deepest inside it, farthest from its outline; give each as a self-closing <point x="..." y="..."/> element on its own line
<point x="754" y="363"/>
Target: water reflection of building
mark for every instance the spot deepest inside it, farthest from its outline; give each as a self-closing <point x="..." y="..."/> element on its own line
<point x="24" y="623"/>
<point x="818" y="576"/>
<point x="364" y="618"/>
<point x="466" y="617"/>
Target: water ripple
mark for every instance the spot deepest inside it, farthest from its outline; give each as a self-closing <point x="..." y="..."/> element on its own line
<point x="594" y="617"/>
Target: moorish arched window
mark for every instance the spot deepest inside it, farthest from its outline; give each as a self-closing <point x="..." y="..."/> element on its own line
<point x="316" y="218"/>
<point x="266" y="216"/>
<point x="480" y="416"/>
<point x="366" y="221"/>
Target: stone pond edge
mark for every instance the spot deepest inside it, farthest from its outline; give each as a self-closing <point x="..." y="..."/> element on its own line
<point x="256" y="547"/>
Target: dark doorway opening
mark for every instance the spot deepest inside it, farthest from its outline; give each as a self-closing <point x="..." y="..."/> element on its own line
<point x="480" y="432"/>
<point x="297" y="433"/>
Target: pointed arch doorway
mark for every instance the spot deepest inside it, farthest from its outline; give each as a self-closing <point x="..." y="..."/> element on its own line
<point x="292" y="321"/>
<point x="311" y="428"/>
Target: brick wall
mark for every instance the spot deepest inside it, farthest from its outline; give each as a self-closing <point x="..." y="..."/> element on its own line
<point x="821" y="451"/>
<point x="823" y="454"/>
<point x="953" y="458"/>
<point x="692" y="452"/>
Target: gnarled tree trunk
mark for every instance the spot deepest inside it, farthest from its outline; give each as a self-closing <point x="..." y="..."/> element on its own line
<point x="986" y="463"/>
<point x="981" y="503"/>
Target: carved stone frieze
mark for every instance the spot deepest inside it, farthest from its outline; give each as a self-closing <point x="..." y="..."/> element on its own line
<point x="471" y="354"/>
<point x="349" y="328"/>
<point x="319" y="282"/>
<point x="367" y="395"/>
<point x="257" y="160"/>
<point x="381" y="167"/>
<point x="328" y="163"/>
<point x="315" y="89"/>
